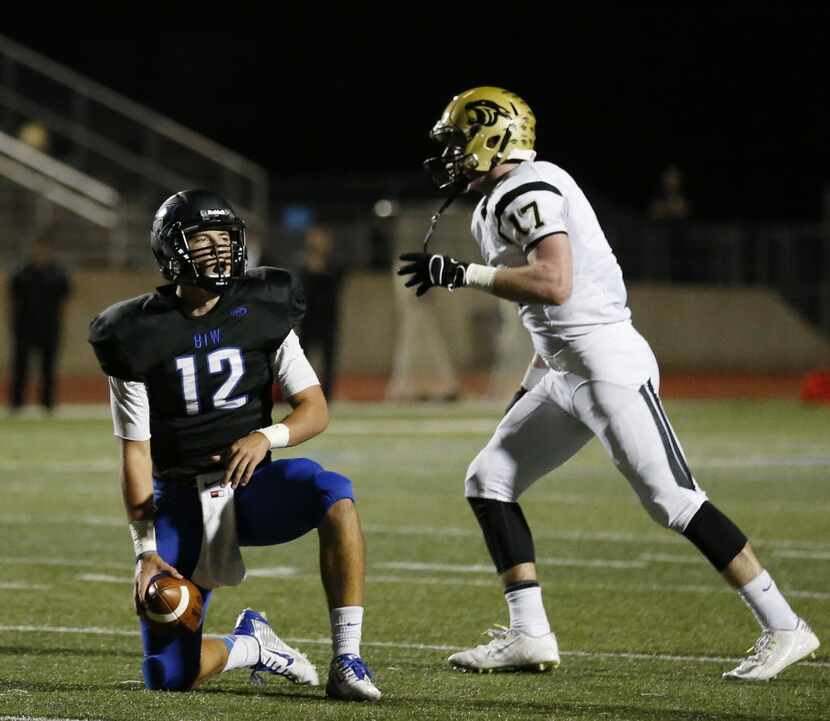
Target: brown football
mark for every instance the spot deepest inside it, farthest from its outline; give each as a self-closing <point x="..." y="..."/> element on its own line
<point x="172" y="604"/>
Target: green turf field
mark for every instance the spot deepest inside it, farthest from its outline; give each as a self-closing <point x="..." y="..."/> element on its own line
<point x="645" y="626"/>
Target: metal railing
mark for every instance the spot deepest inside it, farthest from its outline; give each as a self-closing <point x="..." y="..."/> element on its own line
<point x="105" y="135"/>
<point x="62" y="185"/>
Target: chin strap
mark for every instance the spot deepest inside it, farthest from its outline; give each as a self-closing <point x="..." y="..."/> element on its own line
<point x="437" y="215"/>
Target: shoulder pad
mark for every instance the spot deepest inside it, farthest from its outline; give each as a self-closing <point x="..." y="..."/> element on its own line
<point x="107" y="333"/>
<point x="278" y="286"/>
<point x="267" y="276"/>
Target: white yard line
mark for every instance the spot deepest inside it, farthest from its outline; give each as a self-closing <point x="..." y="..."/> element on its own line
<point x="670" y="558"/>
<point x="484" y="568"/>
<point x="103" y="578"/>
<point x="20" y="586"/>
<point x="804" y="555"/>
<point x="601" y="536"/>
<point x="488" y="581"/>
<point x="405" y="645"/>
<point x="68" y="562"/>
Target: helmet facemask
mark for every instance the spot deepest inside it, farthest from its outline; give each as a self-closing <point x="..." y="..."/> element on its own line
<point x="448" y="169"/>
<point x="206" y="262"/>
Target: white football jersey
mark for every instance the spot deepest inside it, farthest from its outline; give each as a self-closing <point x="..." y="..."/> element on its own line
<point x="535" y="200"/>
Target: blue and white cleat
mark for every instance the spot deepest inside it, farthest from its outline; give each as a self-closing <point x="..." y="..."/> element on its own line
<point x="351" y="680"/>
<point x="275" y="656"/>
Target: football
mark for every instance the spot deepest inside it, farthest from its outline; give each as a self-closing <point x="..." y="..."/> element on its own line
<point x="172" y="604"/>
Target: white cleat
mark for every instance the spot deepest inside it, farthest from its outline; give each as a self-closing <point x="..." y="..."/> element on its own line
<point x="351" y="680"/>
<point x="509" y="650"/>
<point x="275" y="656"/>
<point x="773" y="652"/>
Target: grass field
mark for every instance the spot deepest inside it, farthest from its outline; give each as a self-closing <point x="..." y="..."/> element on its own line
<point x="646" y="627"/>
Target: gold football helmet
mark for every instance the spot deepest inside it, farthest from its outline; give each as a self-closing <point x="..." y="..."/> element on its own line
<point x="479" y="129"/>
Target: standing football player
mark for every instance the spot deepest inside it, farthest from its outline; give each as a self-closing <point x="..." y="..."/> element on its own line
<point x="191" y="368"/>
<point x="592" y="374"/>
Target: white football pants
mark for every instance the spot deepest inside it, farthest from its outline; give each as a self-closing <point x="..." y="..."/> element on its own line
<point x="605" y="384"/>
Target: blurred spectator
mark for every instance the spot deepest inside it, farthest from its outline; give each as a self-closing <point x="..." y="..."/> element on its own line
<point x="38" y="291"/>
<point x="671" y="202"/>
<point x="673" y="253"/>
<point x="322" y="280"/>
<point x="381" y="231"/>
<point x="35" y="134"/>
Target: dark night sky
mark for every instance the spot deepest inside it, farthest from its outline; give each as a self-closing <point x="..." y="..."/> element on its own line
<point x="739" y="99"/>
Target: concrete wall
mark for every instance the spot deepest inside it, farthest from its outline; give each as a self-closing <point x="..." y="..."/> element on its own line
<point x="690" y="328"/>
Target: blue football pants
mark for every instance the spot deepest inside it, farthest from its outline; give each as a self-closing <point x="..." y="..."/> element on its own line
<point x="283" y="501"/>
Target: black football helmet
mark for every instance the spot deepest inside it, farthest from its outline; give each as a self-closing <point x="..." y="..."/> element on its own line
<point x="182" y="215"/>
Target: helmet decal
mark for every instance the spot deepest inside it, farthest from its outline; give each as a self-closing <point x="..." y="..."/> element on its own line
<point x="485" y="112"/>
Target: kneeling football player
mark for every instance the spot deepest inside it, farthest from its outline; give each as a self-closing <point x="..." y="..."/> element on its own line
<point x="191" y="367"/>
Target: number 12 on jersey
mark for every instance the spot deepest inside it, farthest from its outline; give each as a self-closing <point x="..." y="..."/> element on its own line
<point x="217" y="360"/>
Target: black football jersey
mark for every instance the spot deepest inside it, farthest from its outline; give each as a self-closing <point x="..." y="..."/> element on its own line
<point x="209" y="378"/>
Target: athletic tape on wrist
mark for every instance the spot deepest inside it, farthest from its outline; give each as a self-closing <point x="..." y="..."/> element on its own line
<point x="278" y="435"/>
<point x="482" y="277"/>
<point x="143" y="534"/>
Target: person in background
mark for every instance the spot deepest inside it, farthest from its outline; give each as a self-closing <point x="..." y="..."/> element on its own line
<point x="321" y="279"/>
<point x="671" y="202"/>
<point x="669" y="211"/>
<point x="38" y="291"/>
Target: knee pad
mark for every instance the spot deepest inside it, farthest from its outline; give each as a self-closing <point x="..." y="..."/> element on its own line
<point x="506" y="532"/>
<point x="162" y="674"/>
<point x="715" y="536"/>
<point x="332" y="488"/>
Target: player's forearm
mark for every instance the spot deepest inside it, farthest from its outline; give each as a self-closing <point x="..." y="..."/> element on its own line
<point x="137" y="480"/>
<point x="534" y="283"/>
<point x="308" y="418"/>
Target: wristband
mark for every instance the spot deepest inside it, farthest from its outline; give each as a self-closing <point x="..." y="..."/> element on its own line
<point x="481" y="277"/>
<point x="533" y="375"/>
<point x="277" y="435"/>
<point x="144" y="537"/>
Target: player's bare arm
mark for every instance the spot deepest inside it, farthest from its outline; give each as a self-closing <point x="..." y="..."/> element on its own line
<point x="548" y="278"/>
<point x="137" y="490"/>
<point x="309" y="417"/>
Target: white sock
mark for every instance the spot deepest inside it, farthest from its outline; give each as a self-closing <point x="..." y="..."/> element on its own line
<point x="243" y="651"/>
<point x="767" y="604"/>
<point x="527" y="614"/>
<point x="346" y="628"/>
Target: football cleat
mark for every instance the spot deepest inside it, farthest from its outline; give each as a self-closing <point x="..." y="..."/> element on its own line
<point x="773" y="652"/>
<point x="275" y="656"/>
<point x="509" y="650"/>
<point x="351" y="680"/>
